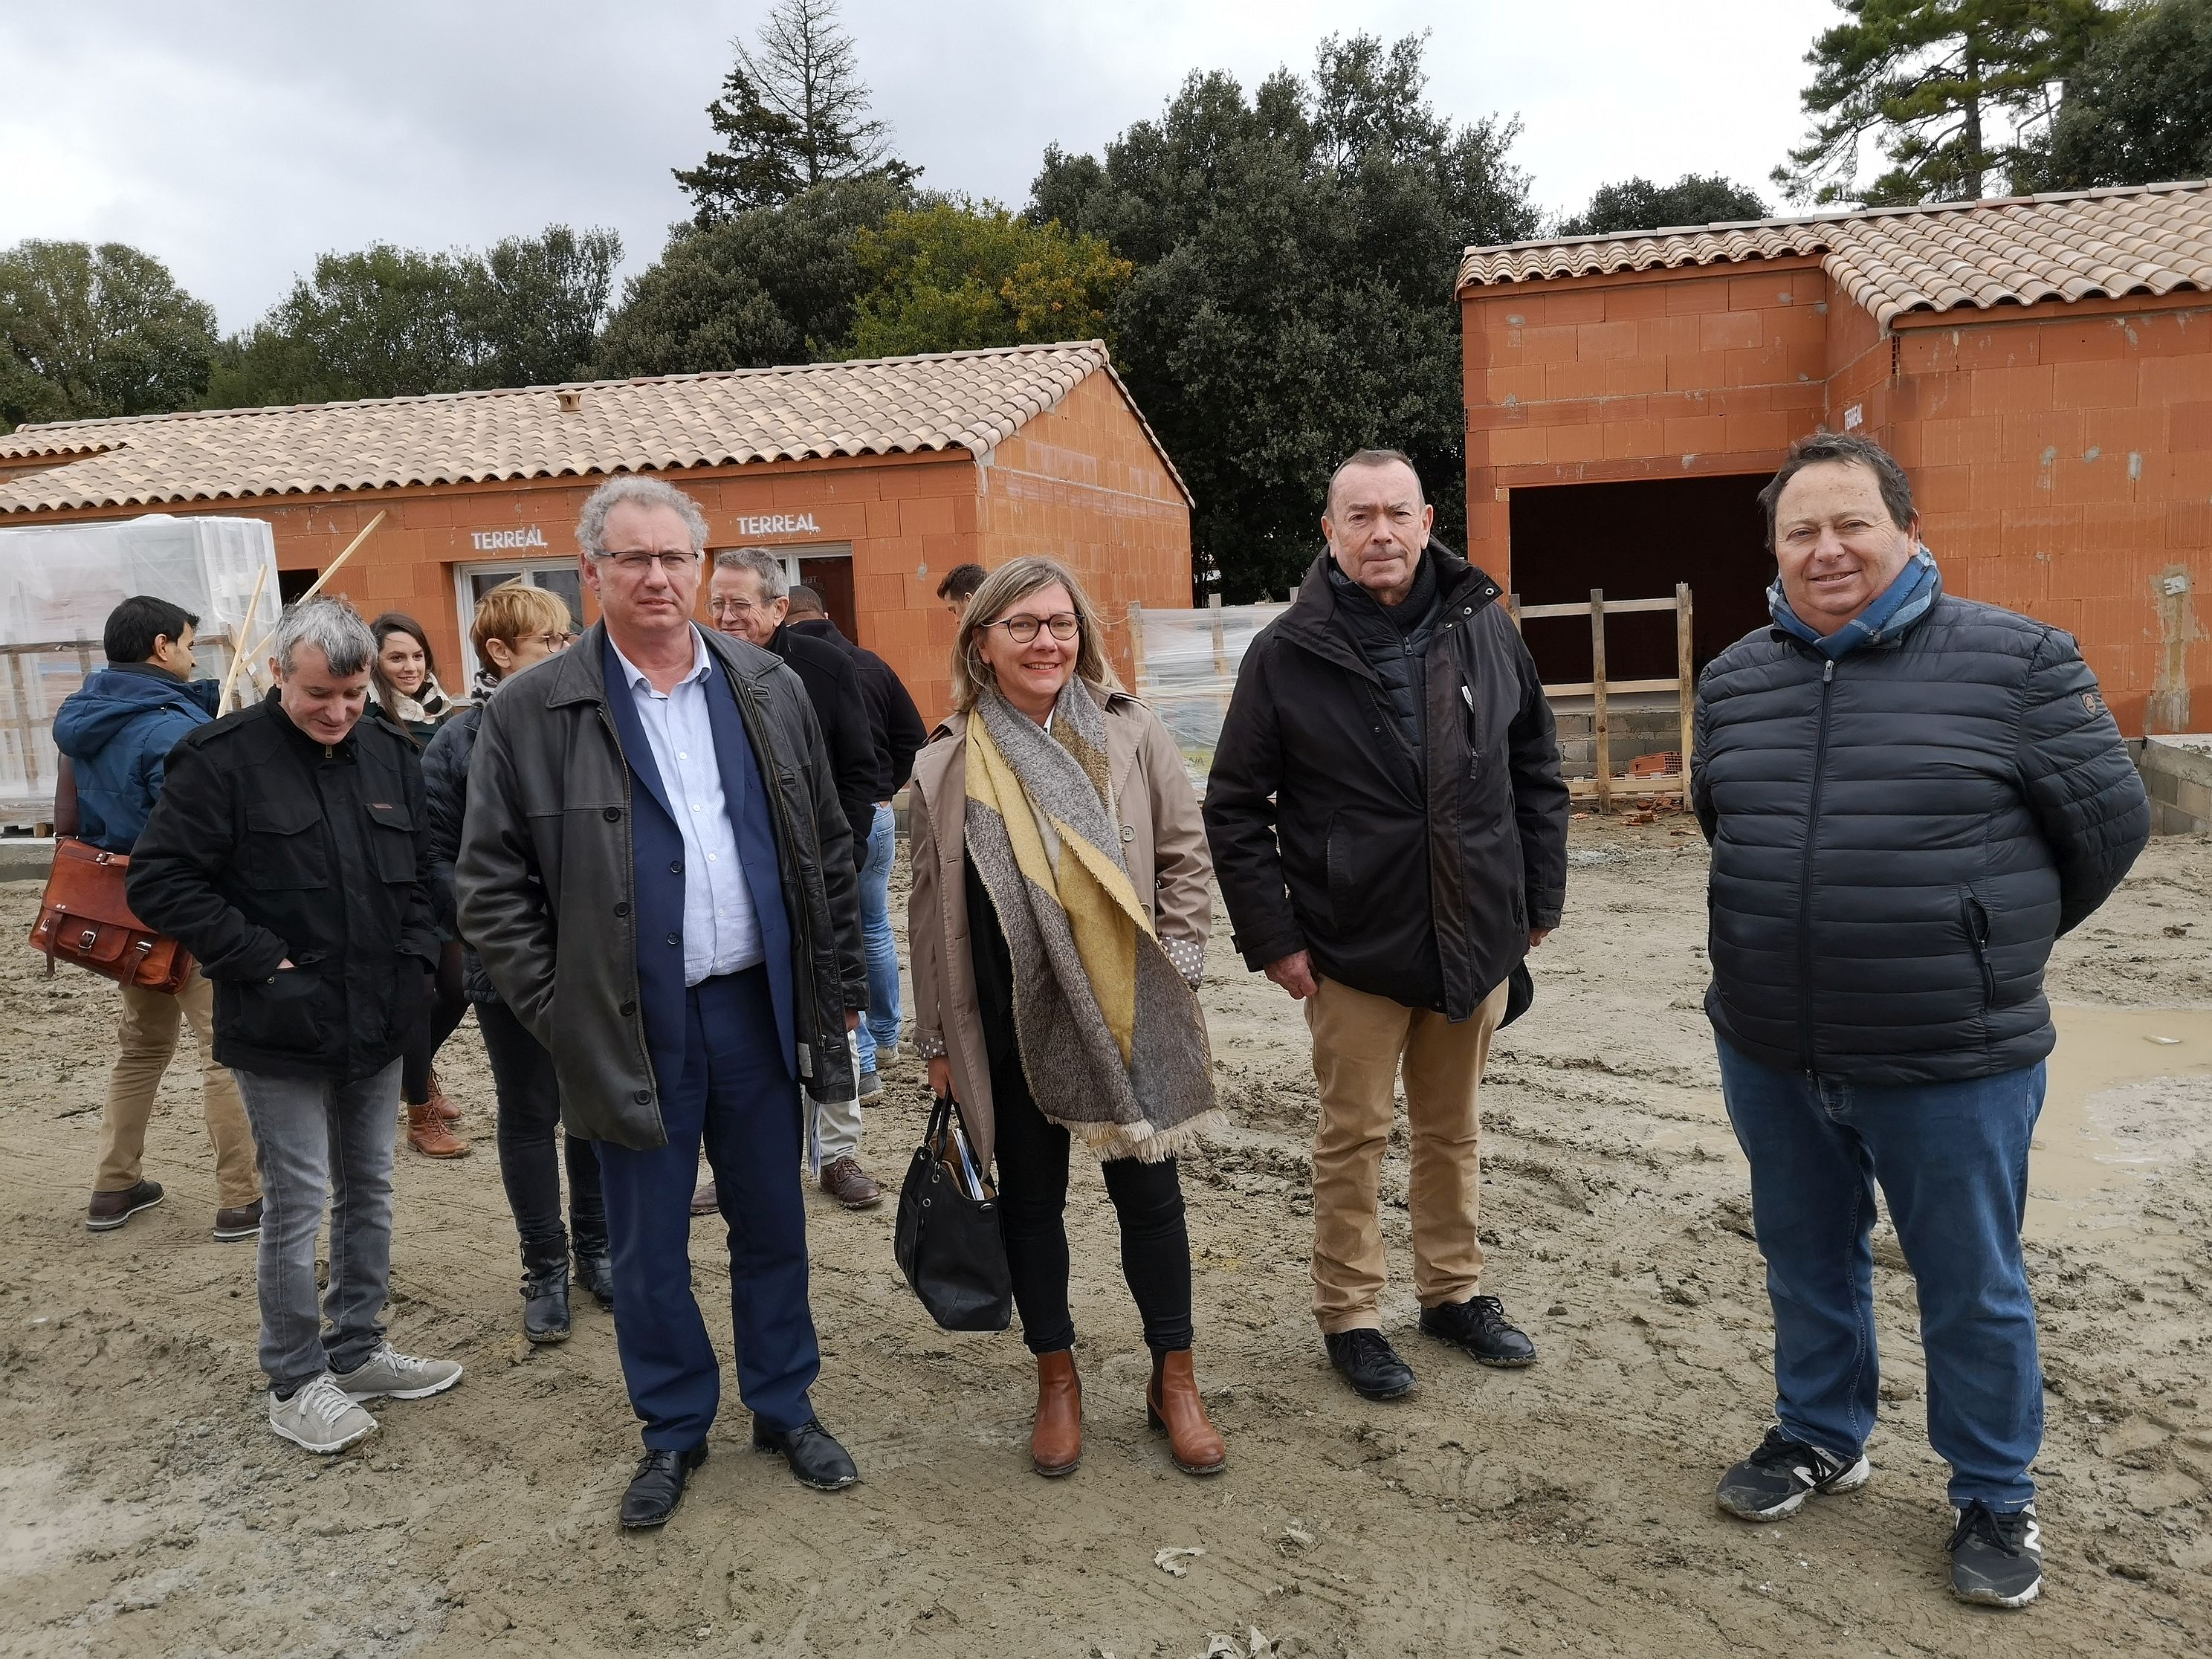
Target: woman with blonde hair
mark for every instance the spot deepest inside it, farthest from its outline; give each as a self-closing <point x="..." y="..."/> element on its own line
<point x="1058" y="926"/>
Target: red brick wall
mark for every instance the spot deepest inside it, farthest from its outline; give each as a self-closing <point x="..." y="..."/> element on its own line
<point x="1083" y="484"/>
<point x="2062" y="456"/>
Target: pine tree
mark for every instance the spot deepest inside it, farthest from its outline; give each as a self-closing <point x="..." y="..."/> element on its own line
<point x="793" y="113"/>
<point x="1927" y="80"/>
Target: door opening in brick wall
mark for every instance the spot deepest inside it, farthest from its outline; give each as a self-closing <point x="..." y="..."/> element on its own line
<point x="1636" y="540"/>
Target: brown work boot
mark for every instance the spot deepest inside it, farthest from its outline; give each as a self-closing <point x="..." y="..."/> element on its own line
<point x="444" y="1108"/>
<point x="1056" y="1442"/>
<point x="109" y="1211"/>
<point x="844" y="1180"/>
<point x="1172" y="1405"/>
<point x="427" y="1135"/>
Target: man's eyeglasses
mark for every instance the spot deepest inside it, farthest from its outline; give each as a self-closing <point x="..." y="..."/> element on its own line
<point x="636" y="564"/>
<point x="733" y="607"/>
<point x="1022" y="629"/>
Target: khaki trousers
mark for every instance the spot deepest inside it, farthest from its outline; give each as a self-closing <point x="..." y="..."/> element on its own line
<point x="146" y="1033"/>
<point x="1358" y="1043"/>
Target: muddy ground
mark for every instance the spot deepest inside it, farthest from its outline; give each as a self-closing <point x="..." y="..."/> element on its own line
<point x="145" y="1507"/>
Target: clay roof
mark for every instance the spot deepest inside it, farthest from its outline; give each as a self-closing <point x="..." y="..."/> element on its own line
<point x="2098" y="244"/>
<point x="972" y="400"/>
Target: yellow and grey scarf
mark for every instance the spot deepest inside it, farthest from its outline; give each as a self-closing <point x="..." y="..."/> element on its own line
<point x="1112" y="1040"/>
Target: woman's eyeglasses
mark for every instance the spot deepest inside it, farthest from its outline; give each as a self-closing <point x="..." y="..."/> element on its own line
<point x="1022" y="629"/>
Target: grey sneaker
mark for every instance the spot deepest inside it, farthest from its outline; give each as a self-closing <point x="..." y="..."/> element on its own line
<point x="1775" y="1480"/>
<point x="1996" y="1559"/>
<point x="320" y="1417"/>
<point x="872" y="1087"/>
<point x="389" y="1373"/>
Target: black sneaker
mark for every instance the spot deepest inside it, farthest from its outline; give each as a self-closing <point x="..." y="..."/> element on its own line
<point x="1478" y="1325"/>
<point x="1775" y="1480"/>
<point x="1367" y="1360"/>
<point x="1996" y="1561"/>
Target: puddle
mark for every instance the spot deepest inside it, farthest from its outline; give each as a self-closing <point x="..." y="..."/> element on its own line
<point x="2101" y="1127"/>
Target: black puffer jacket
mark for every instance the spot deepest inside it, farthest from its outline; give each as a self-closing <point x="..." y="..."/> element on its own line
<point x="267" y="845"/>
<point x="1327" y="838"/>
<point x="1899" y="836"/>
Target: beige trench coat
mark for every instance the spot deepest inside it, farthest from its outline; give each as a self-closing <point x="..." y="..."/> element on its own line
<point x="1163" y="842"/>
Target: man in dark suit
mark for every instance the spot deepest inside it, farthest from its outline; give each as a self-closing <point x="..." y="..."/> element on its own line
<point x="747" y="597"/>
<point x="659" y="882"/>
<point x="900" y="735"/>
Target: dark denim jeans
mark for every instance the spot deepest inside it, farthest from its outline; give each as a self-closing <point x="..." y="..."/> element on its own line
<point x="529" y="1159"/>
<point x="1951" y="1159"/>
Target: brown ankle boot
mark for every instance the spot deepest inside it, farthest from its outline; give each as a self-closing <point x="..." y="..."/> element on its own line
<point x="445" y="1108"/>
<point x="427" y="1135"/>
<point x="1056" y="1442"/>
<point x="1173" y="1406"/>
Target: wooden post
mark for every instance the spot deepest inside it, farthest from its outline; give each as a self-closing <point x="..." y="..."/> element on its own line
<point x="238" y="642"/>
<point x="329" y="571"/>
<point x="1685" y="666"/>
<point x="1137" y="646"/>
<point x="23" y="724"/>
<point x="1513" y="610"/>
<point x="1601" y="738"/>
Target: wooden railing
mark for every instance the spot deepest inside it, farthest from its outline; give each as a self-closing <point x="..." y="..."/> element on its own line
<point x="1598" y="687"/>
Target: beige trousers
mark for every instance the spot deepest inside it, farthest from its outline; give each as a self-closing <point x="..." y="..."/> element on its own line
<point x="147" y="1034"/>
<point x="1358" y="1043"/>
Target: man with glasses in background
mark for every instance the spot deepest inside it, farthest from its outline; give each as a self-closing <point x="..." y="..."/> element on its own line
<point x="660" y="884"/>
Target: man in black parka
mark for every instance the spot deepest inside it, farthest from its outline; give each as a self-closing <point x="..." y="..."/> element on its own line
<point x="1909" y="796"/>
<point x="1389" y="831"/>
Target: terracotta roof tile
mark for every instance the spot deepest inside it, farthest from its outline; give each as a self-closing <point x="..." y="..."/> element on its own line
<point x="972" y="400"/>
<point x="2101" y="244"/>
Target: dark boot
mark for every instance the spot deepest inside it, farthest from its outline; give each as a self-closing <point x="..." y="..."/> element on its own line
<point x="595" y="1271"/>
<point x="545" y="1301"/>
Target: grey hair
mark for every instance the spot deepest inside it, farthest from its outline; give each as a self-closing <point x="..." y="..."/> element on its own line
<point x="774" y="585"/>
<point x="333" y="628"/>
<point x="1372" y="457"/>
<point x="592" y="525"/>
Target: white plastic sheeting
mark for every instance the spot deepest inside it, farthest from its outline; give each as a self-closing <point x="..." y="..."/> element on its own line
<point x="58" y="582"/>
<point x="1187" y="663"/>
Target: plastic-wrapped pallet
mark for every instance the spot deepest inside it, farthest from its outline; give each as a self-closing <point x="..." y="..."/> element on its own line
<point x="58" y="582"/>
<point x="1186" y="663"/>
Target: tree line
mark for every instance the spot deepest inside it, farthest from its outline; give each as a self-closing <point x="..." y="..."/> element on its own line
<point x="1272" y="265"/>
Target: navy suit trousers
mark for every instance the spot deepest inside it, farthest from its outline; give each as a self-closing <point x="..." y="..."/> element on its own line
<point x="736" y="1092"/>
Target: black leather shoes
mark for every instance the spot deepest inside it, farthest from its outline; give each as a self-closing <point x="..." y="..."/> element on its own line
<point x="1480" y="1326"/>
<point x="1368" y="1362"/>
<point x="815" y="1459"/>
<point x="595" y="1271"/>
<point x="657" y="1486"/>
<point x="545" y="1304"/>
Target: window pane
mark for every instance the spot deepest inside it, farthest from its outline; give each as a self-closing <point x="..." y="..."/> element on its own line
<point x="568" y="585"/>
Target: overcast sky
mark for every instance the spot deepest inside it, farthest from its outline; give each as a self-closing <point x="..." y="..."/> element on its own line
<point x="237" y="141"/>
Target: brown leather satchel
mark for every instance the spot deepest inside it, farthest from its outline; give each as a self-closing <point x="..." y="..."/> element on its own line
<point x="85" y="919"/>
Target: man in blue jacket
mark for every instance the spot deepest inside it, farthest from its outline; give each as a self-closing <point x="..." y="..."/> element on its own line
<point x="117" y="731"/>
<point x="1909" y="796"/>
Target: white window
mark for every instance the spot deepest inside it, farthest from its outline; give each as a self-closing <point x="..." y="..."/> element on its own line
<point x="473" y="582"/>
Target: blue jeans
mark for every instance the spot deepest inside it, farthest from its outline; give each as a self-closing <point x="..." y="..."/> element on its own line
<point x="880" y="1028"/>
<point x="1951" y="1159"/>
<point x="736" y="1093"/>
<point x="317" y="1139"/>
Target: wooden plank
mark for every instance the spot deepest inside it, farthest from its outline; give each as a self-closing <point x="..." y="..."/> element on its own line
<point x="1513" y="608"/>
<point x="1614" y="688"/>
<point x="1661" y="783"/>
<point x="1137" y="646"/>
<point x="1685" y="671"/>
<point x="1601" y="738"/>
<point x="1617" y="607"/>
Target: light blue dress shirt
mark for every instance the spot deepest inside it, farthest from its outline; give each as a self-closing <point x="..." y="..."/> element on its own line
<point x="721" y="933"/>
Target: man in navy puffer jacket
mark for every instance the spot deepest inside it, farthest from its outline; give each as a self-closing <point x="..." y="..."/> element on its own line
<point x="117" y="730"/>
<point x="1909" y="796"/>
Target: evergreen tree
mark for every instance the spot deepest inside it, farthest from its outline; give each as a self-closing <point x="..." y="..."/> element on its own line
<point x="1637" y="204"/>
<point x="792" y="114"/>
<point x="1944" y="88"/>
<point x="88" y="331"/>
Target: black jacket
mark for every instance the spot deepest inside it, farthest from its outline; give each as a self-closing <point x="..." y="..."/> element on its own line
<point x="832" y="679"/>
<point x="1899" y="836"/>
<point x="446" y="797"/>
<point x="1326" y="839"/>
<point x="896" y="723"/>
<point x="266" y="845"/>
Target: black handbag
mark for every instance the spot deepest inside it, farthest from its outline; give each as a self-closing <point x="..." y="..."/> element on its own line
<point x="947" y="1241"/>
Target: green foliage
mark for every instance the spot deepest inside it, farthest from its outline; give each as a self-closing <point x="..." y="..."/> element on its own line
<point x="2138" y="109"/>
<point x="1925" y="79"/>
<point x="1292" y="299"/>
<point x="956" y="276"/>
<point x="1633" y="204"/>
<point x="792" y="114"/>
<point x="774" y="285"/>
<point x="88" y="331"/>
<point x="389" y="322"/>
